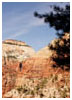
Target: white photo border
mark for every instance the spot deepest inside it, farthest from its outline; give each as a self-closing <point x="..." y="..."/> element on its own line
<point x="1" y="48"/>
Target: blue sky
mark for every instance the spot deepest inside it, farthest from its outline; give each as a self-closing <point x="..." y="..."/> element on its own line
<point x="19" y="23"/>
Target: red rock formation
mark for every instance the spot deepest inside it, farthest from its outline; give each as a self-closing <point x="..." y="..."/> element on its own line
<point x="8" y="79"/>
<point x="33" y="67"/>
<point x="38" y="67"/>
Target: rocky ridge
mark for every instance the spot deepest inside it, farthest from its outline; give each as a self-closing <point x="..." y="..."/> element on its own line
<point x="33" y="75"/>
<point x="13" y="50"/>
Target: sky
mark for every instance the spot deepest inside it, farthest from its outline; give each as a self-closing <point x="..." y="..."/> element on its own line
<point x="19" y="23"/>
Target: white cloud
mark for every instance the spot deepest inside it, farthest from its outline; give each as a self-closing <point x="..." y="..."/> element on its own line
<point x="16" y="24"/>
<point x="17" y="34"/>
<point x="19" y="25"/>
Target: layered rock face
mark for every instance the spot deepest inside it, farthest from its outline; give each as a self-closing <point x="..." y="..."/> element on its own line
<point x="13" y="51"/>
<point x="27" y="74"/>
<point x="8" y="78"/>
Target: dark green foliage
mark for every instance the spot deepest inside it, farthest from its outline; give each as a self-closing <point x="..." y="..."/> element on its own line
<point x="63" y="53"/>
<point x="59" y="19"/>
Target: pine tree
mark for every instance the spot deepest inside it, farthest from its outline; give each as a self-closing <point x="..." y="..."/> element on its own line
<point x="59" y="19"/>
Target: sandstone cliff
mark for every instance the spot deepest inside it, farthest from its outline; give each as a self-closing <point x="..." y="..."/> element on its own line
<point x="13" y="50"/>
<point x="36" y="78"/>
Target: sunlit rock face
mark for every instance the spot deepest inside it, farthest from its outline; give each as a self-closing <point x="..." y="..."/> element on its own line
<point x="23" y="71"/>
<point x="13" y="51"/>
<point x="44" y="53"/>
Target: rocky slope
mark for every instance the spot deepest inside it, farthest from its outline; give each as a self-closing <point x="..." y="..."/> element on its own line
<point x="8" y="78"/>
<point x="13" y="52"/>
<point x="55" y="86"/>
<point x="36" y="79"/>
<point x="26" y="74"/>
